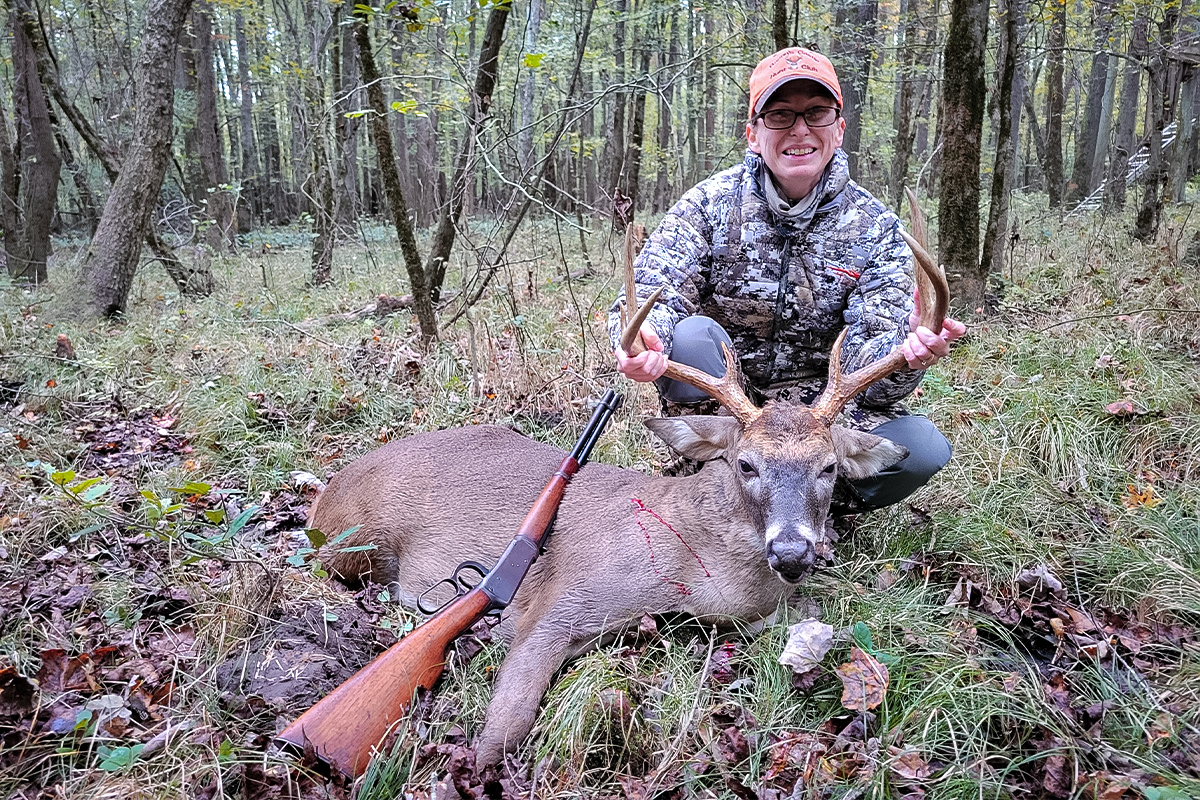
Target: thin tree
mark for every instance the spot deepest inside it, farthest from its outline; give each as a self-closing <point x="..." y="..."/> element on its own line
<point x="1160" y="109"/>
<point x="1127" y="113"/>
<point x="112" y="258"/>
<point x="960" y="129"/>
<point x="1087" y="140"/>
<point x="476" y="112"/>
<point x="386" y="157"/>
<point x="779" y="23"/>
<point x="852" y="52"/>
<point x="27" y="242"/>
<point x="1010" y="107"/>
<point x="1055" y="100"/>
<point x="221" y="233"/>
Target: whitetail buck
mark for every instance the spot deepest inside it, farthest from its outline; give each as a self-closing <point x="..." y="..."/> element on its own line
<point x="726" y="542"/>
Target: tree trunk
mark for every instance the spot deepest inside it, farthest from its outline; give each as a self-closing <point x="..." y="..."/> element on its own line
<point x="1055" y="100"/>
<point x="1087" y="141"/>
<point x="112" y="259"/>
<point x="477" y="110"/>
<point x="221" y="232"/>
<point x="251" y="189"/>
<point x="528" y="84"/>
<point x="1184" y="137"/>
<point x="779" y="24"/>
<point x="710" y="94"/>
<point x="1131" y="82"/>
<point x="40" y="165"/>
<point x="349" y="199"/>
<point x="662" y="185"/>
<point x="994" y="237"/>
<point x="10" y="189"/>
<point x="385" y="155"/>
<point x="960" y="129"/>
<point x="637" y="137"/>
<point x="906" y="94"/>
<point x="852" y="53"/>
<point x="614" y="142"/>
<point x="313" y="122"/>
<point x="1159" y="110"/>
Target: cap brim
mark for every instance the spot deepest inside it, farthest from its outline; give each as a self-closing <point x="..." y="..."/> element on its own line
<point x="765" y="97"/>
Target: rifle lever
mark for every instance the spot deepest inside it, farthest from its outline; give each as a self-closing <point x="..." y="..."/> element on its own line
<point x="459" y="581"/>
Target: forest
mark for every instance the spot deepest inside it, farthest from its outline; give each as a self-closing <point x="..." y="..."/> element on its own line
<point x="248" y="241"/>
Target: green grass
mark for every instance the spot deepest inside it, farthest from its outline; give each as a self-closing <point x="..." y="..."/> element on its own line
<point x="257" y="386"/>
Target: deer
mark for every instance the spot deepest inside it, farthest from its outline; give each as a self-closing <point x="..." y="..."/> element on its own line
<point x="728" y="542"/>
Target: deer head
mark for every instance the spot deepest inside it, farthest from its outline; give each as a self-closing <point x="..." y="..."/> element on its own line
<point x="784" y="457"/>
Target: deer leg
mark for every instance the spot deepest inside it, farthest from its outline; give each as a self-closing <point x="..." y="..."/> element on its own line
<point x="537" y="653"/>
<point x="524" y="677"/>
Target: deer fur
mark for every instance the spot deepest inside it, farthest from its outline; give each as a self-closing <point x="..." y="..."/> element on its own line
<point x="727" y="542"/>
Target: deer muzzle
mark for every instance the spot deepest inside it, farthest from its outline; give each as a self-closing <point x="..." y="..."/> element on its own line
<point x="792" y="552"/>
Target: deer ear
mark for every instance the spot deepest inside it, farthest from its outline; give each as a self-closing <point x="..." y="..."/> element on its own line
<point x="699" y="437"/>
<point x="861" y="455"/>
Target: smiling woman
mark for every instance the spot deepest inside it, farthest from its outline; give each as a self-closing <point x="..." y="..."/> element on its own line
<point x="776" y="256"/>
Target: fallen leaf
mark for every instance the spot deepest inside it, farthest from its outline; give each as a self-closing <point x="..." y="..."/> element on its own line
<point x="1135" y="497"/>
<point x="864" y="681"/>
<point x="16" y="694"/>
<point x="910" y="765"/>
<point x="808" y="642"/>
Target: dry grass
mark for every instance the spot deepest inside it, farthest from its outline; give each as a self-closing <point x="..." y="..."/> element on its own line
<point x="258" y="387"/>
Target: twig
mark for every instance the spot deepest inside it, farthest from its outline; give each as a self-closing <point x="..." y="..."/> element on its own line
<point x="297" y="329"/>
<point x="1120" y="314"/>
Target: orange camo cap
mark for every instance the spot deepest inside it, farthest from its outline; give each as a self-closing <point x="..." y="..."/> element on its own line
<point x="788" y="65"/>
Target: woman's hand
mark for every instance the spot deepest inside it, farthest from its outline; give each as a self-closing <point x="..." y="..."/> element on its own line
<point x="645" y="366"/>
<point x="923" y="348"/>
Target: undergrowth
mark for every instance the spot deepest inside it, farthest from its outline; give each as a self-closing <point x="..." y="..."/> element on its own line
<point x="1074" y="411"/>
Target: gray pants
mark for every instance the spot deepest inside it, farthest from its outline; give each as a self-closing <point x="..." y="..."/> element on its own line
<point x="698" y="342"/>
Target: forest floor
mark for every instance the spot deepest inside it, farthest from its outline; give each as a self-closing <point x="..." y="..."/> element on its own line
<point x="1031" y="618"/>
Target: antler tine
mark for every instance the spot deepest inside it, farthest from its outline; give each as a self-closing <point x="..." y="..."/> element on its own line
<point x="934" y="298"/>
<point x="726" y="390"/>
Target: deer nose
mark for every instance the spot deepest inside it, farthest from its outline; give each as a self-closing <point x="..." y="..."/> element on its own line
<point x="792" y="557"/>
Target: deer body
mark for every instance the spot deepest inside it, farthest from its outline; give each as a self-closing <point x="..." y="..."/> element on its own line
<point x="714" y="545"/>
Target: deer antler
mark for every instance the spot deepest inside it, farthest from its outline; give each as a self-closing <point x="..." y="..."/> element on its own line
<point x="726" y="390"/>
<point x="933" y="296"/>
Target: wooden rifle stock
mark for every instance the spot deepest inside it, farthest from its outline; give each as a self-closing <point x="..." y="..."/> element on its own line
<point x="348" y="723"/>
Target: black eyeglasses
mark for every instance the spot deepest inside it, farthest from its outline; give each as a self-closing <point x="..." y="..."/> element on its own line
<point x="780" y="119"/>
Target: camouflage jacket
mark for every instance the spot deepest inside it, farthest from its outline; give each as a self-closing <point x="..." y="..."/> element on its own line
<point x="783" y="293"/>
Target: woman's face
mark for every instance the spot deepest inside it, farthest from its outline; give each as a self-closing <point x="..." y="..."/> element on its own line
<point x="797" y="157"/>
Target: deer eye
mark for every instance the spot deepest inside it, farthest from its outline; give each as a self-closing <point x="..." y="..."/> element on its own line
<point x="829" y="469"/>
<point x="746" y="468"/>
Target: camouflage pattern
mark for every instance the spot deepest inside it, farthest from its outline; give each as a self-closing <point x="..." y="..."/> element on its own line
<point x="783" y="292"/>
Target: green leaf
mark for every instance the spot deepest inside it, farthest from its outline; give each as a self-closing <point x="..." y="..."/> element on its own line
<point x="533" y="60"/>
<point x="119" y="758"/>
<point x="77" y="535"/>
<point x="192" y="487"/>
<point x="1163" y="793"/>
<point x="63" y="477"/>
<point x="360" y="112"/>
<point x="95" y="492"/>
<point x="215" y="515"/>
<point x="82" y="485"/>
<point x="225" y="750"/>
<point x="862" y="635"/>
<point x="358" y="548"/>
<point x="241" y="519"/>
<point x="316" y="537"/>
<point x="342" y="536"/>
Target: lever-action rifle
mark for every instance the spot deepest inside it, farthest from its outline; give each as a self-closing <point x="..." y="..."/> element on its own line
<point x="348" y="723"/>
